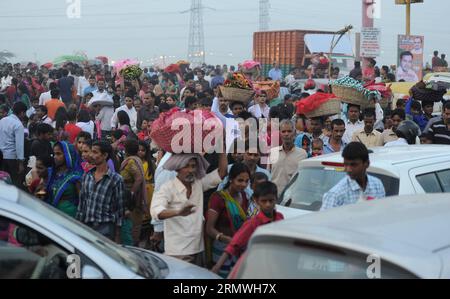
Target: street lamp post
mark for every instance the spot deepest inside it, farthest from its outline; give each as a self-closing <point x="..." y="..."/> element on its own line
<point x="408" y="17"/>
<point x="408" y="3"/>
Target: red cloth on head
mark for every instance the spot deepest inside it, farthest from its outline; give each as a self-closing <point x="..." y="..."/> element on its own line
<point x="173" y="68"/>
<point x="313" y="102"/>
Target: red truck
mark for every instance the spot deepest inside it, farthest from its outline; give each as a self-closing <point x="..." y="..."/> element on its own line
<point x="292" y="48"/>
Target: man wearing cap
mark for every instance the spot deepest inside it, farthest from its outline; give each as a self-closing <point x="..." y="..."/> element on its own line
<point x="179" y="203"/>
<point x="104" y="112"/>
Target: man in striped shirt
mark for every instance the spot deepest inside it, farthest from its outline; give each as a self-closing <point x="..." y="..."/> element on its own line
<point x="441" y="129"/>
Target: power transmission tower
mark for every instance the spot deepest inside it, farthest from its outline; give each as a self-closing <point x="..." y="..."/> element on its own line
<point x="196" y="48"/>
<point x="264" y="17"/>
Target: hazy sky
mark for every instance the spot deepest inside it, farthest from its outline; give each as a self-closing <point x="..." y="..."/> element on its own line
<point x="147" y="29"/>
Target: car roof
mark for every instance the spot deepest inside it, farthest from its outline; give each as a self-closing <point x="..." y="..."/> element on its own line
<point x="390" y="156"/>
<point x="9" y="192"/>
<point x="401" y="228"/>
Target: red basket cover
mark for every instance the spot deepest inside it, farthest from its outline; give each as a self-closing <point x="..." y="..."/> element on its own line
<point x="174" y="124"/>
<point x="313" y="102"/>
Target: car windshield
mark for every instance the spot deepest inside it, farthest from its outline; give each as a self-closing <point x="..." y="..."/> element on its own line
<point x="120" y="254"/>
<point x="306" y="189"/>
<point x="301" y="261"/>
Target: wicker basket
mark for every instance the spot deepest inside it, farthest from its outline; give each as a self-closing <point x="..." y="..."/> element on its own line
<point x="349" y="94"/>
<point x="272" y="88"/>
<point x="330" y="107"/>
<point x="236" y="94"/>
<point x="384" y="104"/>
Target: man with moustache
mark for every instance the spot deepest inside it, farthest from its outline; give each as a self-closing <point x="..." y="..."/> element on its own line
<point x="179" y="203"/>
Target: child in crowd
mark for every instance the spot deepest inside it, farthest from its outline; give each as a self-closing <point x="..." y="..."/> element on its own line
<point x="266" y="197"/>
<point x="303" y="141"/>
<point x="40" y="177"/>
<point x="86" y="149"/>
<point x="82" y="137"/>
<point x="144" y="133"/>
<point x="317" y="147"/>
<point x="257" y="179"/>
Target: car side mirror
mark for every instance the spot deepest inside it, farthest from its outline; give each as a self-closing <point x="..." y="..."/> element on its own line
<point x="90" y="272"/>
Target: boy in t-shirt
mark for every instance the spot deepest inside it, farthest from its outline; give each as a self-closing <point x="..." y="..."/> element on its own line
<point x="266" y="197"/>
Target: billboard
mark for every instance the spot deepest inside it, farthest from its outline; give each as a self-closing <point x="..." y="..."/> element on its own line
<point x="410" y="58"/>
<point x="370" y="42"/>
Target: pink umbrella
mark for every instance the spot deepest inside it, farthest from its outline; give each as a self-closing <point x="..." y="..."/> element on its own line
<point x="121" y="64"/>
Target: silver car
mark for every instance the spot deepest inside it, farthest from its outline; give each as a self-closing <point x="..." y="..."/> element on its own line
<point x="38" y="241"/>
<point x="397" y="237"/>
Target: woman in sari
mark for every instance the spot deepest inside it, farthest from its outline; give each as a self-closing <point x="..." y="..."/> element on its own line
<point x="149" y="174"/>
<point x="149" y="168"/>
<point x="226" y="214"/>
<point x="64" y="179"/>
<point x="132" y="172"/>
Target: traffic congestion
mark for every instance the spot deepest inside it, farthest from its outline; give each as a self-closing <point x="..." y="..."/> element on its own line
<point x="303" y="161"/>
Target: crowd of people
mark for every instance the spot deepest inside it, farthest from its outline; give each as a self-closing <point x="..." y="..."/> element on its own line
<point x="98" y="164"/>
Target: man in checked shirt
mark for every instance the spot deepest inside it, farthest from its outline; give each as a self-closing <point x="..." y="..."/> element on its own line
<point x="357" y="185"/>
<point x="101" y="204"/>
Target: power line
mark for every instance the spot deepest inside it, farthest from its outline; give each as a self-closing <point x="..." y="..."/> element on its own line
<point x="156" y="13"/>
<point x="120" y="40"/>
<point x="196" y="46"/>
<point x="134" y="27"/>
<point x="264" y="17"/>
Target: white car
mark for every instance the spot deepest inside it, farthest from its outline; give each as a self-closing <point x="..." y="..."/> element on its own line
<point x="38" y="241"/>
<point x="397" y="237"/>
<point x="404" y="170"/>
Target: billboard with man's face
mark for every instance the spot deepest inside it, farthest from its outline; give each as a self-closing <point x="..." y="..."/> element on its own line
<point x="410" y="58"/>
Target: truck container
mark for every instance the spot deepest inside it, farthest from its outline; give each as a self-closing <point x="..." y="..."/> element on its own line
<point x="287" y="48"/>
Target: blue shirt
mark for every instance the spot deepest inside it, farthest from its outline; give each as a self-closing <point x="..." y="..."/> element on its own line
<point x="65" y="85"/>
<point x="12" y="138"/>
<point x="89" y="89"/>
<point x="348" y="191"/>
<point x="276" y="74"/>
<point x="420" y="119"/>
<point x="328" y="149"/>
<point x="217" y="80"/>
